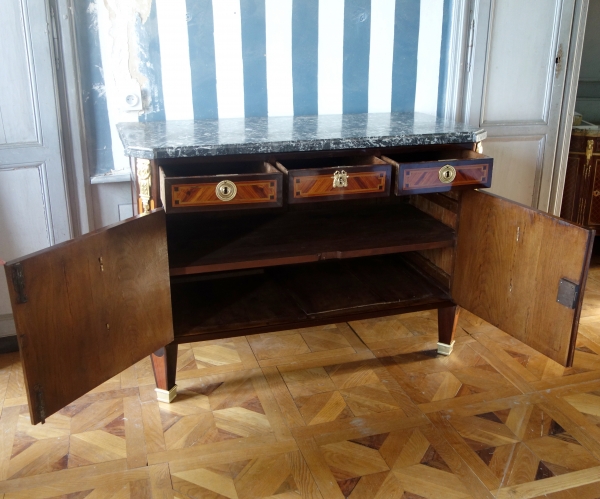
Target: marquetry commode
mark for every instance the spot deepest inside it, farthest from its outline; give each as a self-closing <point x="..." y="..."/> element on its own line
<point x="264" y="224"/>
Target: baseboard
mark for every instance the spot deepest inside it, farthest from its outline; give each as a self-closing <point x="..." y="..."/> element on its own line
<point x="8" y="334"/>
<point x="9" y="344"/>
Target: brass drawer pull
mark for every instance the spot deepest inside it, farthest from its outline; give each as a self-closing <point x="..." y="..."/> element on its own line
<point x="340" y="179"/>
<point x="447" y="174"/>
<point x="226" y="190"/>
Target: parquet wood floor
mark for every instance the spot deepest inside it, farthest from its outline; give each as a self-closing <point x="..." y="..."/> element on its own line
<point x="365" y="410"/>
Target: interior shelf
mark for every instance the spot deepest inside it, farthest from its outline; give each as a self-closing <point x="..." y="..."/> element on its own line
<point x="256" y="241"/>
<point x="293" y="296"/>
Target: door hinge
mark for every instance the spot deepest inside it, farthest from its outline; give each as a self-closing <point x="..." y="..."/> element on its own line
<point x="18" y="279"/>
<point x="40" y="404"/>
<point x="568" y="293"/>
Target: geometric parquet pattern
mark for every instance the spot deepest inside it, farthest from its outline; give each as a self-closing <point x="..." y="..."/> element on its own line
<point x="364" y="410"/>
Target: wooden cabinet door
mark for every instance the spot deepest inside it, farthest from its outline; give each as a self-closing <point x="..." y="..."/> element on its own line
<point x="522" y="270"/>
<point x="88" y="308"/>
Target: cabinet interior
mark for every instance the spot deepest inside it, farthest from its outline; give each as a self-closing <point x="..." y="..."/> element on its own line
<point x="330" y="162"/>
<point x="243" y="273"/>
<point x="446" y="154"/>
<point x="216" y="169"/>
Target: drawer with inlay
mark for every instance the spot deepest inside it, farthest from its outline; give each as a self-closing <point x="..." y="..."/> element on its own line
<point x="221" y="186"/>
<point x="440" y="171"/>
<point x="336" y="178"/>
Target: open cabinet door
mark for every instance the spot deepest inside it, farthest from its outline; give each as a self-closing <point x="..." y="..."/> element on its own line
<point x="89" y="308"/>
<point x="523" y="271"/>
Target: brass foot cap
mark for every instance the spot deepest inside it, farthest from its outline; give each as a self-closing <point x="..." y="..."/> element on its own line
<point x="444" y="349"/>
<point x="166" y="396"/>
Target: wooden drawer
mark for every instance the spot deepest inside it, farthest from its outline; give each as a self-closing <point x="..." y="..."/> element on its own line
<point x="441" y="171"/>
<point x="221" y="186"/>
<point x="332" y="179"/>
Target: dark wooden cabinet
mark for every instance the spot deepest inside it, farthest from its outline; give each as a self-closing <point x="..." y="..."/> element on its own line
<point x="581" y="194"/>
<point x="347" y="247"/>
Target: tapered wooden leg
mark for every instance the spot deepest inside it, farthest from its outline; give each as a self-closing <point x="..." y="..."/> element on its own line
<point x="164" y="365"/>
<point x="447" y="320"/>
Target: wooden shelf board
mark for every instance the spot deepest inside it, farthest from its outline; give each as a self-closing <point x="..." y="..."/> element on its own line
<point x="301" y="295"/>
<point x="302" y="237"/>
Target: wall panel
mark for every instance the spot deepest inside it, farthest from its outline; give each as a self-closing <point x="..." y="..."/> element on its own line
<point x="517" y="166"/>
<point x="24" y="223"/>
<point x="18" y="112"/>
<point x="517" y="89"/>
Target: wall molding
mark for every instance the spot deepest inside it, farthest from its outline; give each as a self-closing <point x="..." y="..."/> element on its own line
<point x="111" y="177"/>
<point x="457" y="61"/>
<point x="70" y="102"/>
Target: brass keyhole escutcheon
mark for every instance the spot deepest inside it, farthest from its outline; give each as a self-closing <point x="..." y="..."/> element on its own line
<point x="340" y="179"/>
<point x="447" y="174"/>
<point x="596" y="193"/>
<point x="226" y="190"/>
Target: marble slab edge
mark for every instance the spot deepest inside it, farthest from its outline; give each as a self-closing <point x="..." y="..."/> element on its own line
<point x="304" y="145"/>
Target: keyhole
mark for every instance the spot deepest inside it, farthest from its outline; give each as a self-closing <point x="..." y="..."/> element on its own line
<point x="225" y="190"/>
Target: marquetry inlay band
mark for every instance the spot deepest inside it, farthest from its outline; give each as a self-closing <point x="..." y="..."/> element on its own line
<point x="424" y="178"/>
<point x="208" y="194"/>
<point x="356" y="183"/>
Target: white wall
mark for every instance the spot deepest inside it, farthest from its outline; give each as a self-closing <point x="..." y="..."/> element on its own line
<point x="111" y="202"/>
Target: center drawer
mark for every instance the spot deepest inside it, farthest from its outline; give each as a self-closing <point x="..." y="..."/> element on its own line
<point x="331" y="179"/>
<point x="220" y="186"/>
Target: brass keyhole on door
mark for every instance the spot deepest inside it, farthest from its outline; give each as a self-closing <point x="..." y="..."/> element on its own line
<point x="596" y="193"/>
<point x="447" y="174"/>
<point x="226" y="190"/>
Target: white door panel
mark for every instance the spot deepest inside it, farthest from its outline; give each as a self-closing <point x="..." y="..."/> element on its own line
<point x="23" y="195"/>
<point x="517" y="166"/>
<point x="519" y="51"/>
<point x="514" y="90"/>
<point x="19" y="113"/>
<point x="34" y="211"/>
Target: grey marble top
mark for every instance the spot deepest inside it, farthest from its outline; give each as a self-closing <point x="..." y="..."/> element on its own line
<point x="178" y="139"/>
